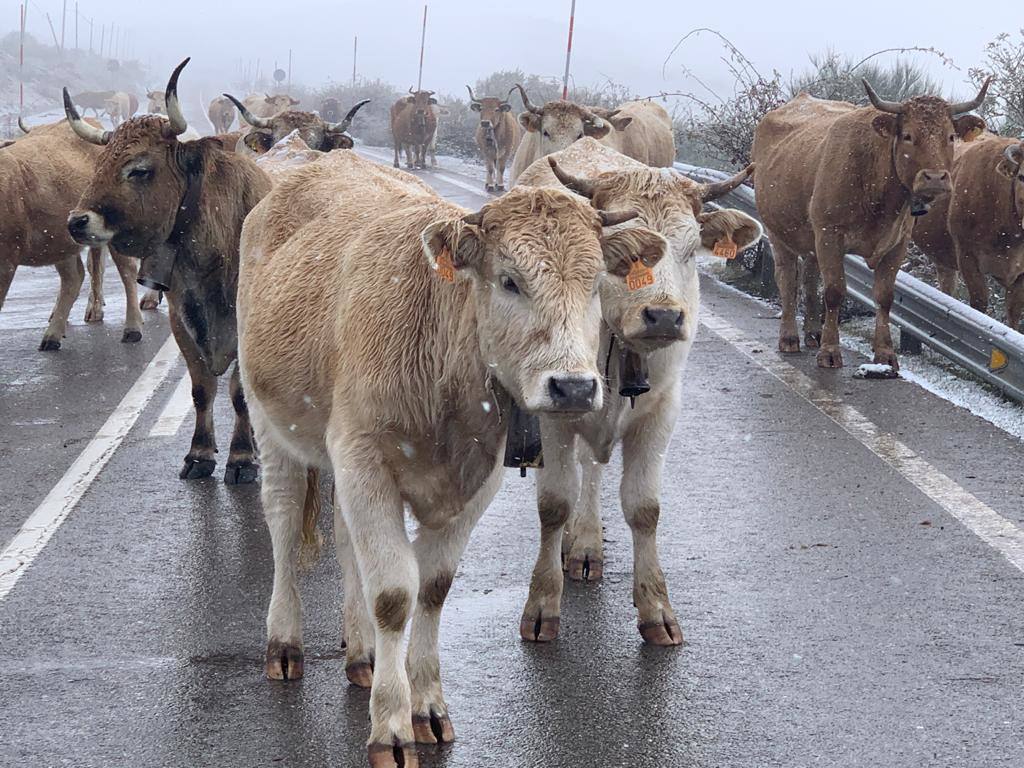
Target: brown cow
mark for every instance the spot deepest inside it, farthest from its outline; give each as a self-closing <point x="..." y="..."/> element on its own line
<point x="179" y="207"/>
<point x="414" y="126"/>
<point x="497" y="136"/>
<point x="156" y="104"/>
<point x="833" y="179"/>
<point x="41" y="177"/>
<point x="330" y="110"/>
<point x="980" y="227"/>
<point x="221" y="113"/>
<point x="384" y="339"/>
<point x="94" y="100"/>
<point x="313" y="129"/>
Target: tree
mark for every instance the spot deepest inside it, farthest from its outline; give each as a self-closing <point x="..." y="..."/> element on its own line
<point x="1003" y="110"/>
<point x="837" y="77"/>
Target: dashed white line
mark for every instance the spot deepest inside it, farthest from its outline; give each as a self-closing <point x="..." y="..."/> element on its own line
<point x="177" y="408"/>
<point x="987" y="524"/>
<point x="65" y="495"/>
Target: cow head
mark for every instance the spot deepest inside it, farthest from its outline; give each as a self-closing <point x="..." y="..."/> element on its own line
<point x="330" y="110"/>
<point x="534" y="258"/>
<point x="648" y="317"/>
<point x="491" y="111"/>
<point x="422" y="104"/>
<point x="156" y="105"/>
<point x="922" y="132"/>
<point x="1011" y="165"/>
<point x="279" y="102"/>
<point x="560" y="123"/>
<point x="318" y="133"/>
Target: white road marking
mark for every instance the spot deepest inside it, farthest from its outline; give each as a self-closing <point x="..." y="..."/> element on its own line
<point x="476" y="190"/>
<point x="177" y="408"/>
<point x="987" y="524"/>
<point x="65" y="495"/>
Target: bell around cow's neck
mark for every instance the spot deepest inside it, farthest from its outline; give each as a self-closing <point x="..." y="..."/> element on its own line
<point x="523" y="449"/>
<point x="156" y="268"/>
<point x="633" y="376"/>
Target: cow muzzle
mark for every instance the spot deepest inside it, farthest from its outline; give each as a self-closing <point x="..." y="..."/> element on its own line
<point x="662" y="323"/>
<point x="564" y="392"/>
<point x="929" y="186"/>
<point x="88" y="228"/>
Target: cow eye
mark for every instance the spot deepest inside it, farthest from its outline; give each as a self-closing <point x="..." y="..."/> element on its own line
<point x="140" y="174"/>
<point x="508" y="284"/>
<point x="547" y="135"/>
<point x="952" y="137"/>
<point x="907" y="137"/>
<point x="580" y="136"/>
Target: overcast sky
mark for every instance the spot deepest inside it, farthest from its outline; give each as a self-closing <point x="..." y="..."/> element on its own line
<point x="626" y="40"/>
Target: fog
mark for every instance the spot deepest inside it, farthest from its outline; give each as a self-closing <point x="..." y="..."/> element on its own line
<point x="624" y="41"/>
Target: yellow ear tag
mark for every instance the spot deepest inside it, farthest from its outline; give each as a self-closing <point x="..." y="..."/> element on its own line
<point x="639" y="276"/>
<point x="725" y="248"/>
<point x="445" y="266"/>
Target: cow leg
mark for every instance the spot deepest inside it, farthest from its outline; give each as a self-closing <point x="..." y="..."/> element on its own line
<point x="644" y="446"/>
<point x="585" y="561"/>
<point x="500" y="187"/>
<point x="398" y="150"/>
<point x="977" y="285"/>
<point x="883" y="290"/>
<point x="558" y="485"/>
<point x="241" y="468"/>
<point x="128" y="269"/>
<point x="358" y="635"/>
<point x="489" y="185"/>
<point x="410" y="160"/>
<point x="812" y="303"/>
<point x="72" y="275"/>
<point x="7" y="270"/>
<point x="947" y="280"/>
<point x="786" y="268"/>
<point x="373" y="513"/>
<point x="437" y="557"/>
<point x="94" y="307"/>
<point x="829" y="251"/>
<point x="199" y="461"/>
<point x="1015" y="302"/>
<point x="151" y="299"/>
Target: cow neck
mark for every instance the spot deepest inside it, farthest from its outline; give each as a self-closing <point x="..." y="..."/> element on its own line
<point x="893" y="149"/>
<point x="188" y="209"/>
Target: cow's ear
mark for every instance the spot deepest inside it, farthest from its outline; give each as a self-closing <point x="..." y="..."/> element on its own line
<point x="627" y="246"/>
<point x="530" y="121"/>
<point x="597" y="128"/>
<point x="458" y="241"/>
<point x="884" y="125"/>
<point x="620" y="123"/>
<point x="258" y="141"/>
<point x="505" y="108"/>
<point x="968" y="127"/>
<point x="475" y="107"/>
<point x="293" y="102"/>
<point x="433" y="100"/>
<point x="728" y="225"/>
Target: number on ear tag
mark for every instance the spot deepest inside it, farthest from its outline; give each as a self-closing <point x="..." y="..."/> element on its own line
<point x="445" y="266"/>
<point x="639" y="276"/>
<point x="725" y="248"/>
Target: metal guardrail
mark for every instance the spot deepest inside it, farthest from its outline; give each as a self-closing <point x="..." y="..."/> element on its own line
<point x="987" y="348"/>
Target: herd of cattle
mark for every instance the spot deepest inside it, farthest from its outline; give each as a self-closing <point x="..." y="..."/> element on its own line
<point x="390" y="337"/>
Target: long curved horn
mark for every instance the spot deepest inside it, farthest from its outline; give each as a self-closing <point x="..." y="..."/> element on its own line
<point x="90" y="133"/>
<point x="892" y="107"/>
<point x="966" y="106"/>
<point x="249" y="117"/>
<point x="178" y="123"/>
<point x="21" y="124"/>
<point x="412" y="91"/>
<point x="576" y="184"/>
<point x="611" y="218"/>
<point x="510" y="91"/>
<point x="526" y="101"/>
<point x="473" y="98"/>
<point x="347" y="121"/>
<point x="716" y="189"/>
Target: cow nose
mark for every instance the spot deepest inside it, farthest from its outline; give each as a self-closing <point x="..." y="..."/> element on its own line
<point x="78" y="224"/>
<point x="659" y="321"/>
<point x="935" y="176"/>
<point x="572" y="393"/>
<point x="485" y="123"/>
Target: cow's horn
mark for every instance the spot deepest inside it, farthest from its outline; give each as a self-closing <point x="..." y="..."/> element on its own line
<point x="249" y="117"/>
<point x="347" y="121"/>
<point x="1014" y="153"/>
<point x="611" y="218"/>
<point x="526" y="101"/>
<point x="176" y="119"/>
<point x="21" y="124"/>
<point x="90" y="133"/>
<point x="576" y="184"/>
<point x="412" y="91"/>
<point x="967" y="106"/>
<point x="717" y="189"/>
<point x="473" y="98"/>
<point x="892" y="107"/>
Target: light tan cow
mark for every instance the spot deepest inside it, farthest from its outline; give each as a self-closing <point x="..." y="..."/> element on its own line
<point x="641" y="130"/>
<point x="264" y="105"/>
<point x="157" y="105"/>
<point x="221" y="113"/>
<point x="648" y="329"/>
<point x="121" y="106"/>
<point x="384" y="333"/>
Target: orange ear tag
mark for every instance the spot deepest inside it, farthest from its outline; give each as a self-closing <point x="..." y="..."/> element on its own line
<point x="639" y="276"/>
<point x="445" y="266"/>
<point x="725" y="248"/>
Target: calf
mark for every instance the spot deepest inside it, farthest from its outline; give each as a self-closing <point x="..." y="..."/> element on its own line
<point x="385" y="334"/>
<point x="650" y="319"/>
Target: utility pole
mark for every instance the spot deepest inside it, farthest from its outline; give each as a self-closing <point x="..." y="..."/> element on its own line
<point x="568" y="52"/>
<point x="423" y="43"/>
<point x="21" y="64"/>
<point x="103" y="37"/>
<point x="289" y="70"/>
<point x="76" y="25"/>
<point x="355" y="52"/>
<point x="63" y="22"/>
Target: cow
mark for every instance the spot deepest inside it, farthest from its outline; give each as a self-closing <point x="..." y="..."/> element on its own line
<point x="412" y="326"/>
<point x="979" y="228"/>
<point x="497" y="136"/>
<point x="178" y="207"/>
<point x="120" y="107"/>
<point x="439" y="113"/>
<point x="330" y="110"/>
<point x="833" y="179"/>
<point x="648" y="326"/>
<point x="641" y="130"/>
<point x="264" y="105"/>
<point x="313" y="129"/>
<point x="221" y="113"/>
<point x="414" y="126"/>
<point x="41" y="177"/>
<point x="94" y="100"/>
<point x="156" y="104"/>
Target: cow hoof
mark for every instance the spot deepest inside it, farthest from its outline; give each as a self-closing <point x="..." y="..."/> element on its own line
<point x="284" y="661"/>
<point x="396" y="755"/>
<point x="49" y="344"/>
<point x="360" y="674"/>
<point x="241" y="473"/>
<point x="538" y="629"/>
<point x="830" y="357"/>
<point x="194" y="469"/>
<point x="131" y="336"/>
<point x="665" y="632"/>
<point x="93" y="315"/>
<point x="435" y="728"/>
<point x="812" y="339"/>
<point x="789" y="344"/>
<point x="150" y="302"/>
<point x="586" y="568"/>
<point x="887" y="357"/>
<point x="397" y="165"/>
<point x="488" y="187"/>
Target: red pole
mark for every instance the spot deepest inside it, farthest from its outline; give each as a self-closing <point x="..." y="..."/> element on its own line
<point x="568" y="52"/>
<point x="423" y="42"/>
<point x="21" y="65"/>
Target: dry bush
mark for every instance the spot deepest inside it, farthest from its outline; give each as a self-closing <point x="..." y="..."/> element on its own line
<point x="1004" y="107"/>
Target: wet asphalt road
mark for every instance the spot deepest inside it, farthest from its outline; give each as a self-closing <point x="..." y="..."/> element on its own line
<point x="834" y="614"/>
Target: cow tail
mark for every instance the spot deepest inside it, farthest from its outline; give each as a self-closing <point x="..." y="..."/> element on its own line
<point x="312" y="539"/>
